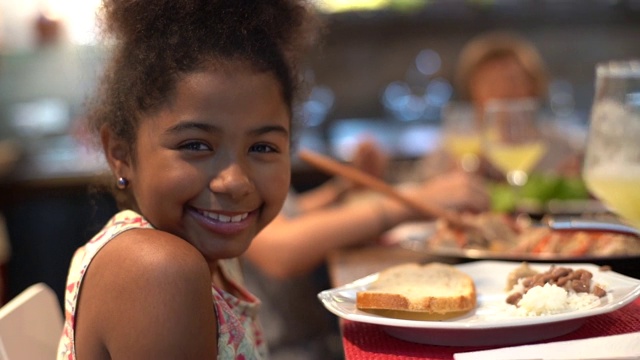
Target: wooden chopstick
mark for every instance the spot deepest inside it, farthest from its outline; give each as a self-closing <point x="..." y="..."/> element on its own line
<point x="335" y="167"/>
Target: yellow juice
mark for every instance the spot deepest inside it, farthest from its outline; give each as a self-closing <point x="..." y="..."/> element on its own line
<point x="516" y="157"/>
<point x="461" y="145"/>
<point x="618" y="188"/>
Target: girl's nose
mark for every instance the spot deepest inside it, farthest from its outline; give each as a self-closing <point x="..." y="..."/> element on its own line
<point x="232" y="180"/>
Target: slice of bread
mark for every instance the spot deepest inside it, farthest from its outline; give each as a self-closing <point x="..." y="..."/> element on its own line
<point x="431" y="288"/>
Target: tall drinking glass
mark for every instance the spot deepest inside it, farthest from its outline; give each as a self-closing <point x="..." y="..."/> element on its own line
<point x="461" y="137"/>
<point x="611" y="167"/>
<point x="512" y="137"/>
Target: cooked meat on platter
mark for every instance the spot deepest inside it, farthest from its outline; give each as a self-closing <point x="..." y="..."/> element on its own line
<point x="499" y="232"/>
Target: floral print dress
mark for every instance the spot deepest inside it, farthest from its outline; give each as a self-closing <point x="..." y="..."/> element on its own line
<point x="239" y="333"/>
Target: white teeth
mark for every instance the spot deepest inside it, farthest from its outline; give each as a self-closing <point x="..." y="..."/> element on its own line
<point x="239" y="217"/>
<point x="225" y="218"/>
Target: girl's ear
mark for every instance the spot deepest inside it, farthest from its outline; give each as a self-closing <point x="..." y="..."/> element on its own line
<point x="117" y="153"/>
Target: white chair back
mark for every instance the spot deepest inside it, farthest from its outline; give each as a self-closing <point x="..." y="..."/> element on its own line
<point x="31" y="325"/>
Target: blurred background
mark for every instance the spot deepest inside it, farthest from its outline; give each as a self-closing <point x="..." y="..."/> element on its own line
<point x="384" y="69"/>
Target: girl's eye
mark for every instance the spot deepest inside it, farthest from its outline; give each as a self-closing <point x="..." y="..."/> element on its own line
<point x="262" y="148"/>
<point x="195" y="146"/>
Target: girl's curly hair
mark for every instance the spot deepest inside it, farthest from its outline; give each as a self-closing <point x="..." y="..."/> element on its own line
<point x="155" y="42"/>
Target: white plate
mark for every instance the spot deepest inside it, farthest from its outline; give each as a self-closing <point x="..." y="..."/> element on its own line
<point x="488" y="324"/>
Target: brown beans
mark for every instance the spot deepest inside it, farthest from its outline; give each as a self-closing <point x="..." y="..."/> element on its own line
<point x="579" y="286"/>
<point x="560" y="272"/>
<point x="563" y="280"/>
<point x="577" y="280"/>
<point x="598" y="291"/>
<point x="584" y="275"/>
<point x="514" y="298"/>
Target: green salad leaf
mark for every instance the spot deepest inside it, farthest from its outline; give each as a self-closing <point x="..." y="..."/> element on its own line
<point x="540" y="188"/>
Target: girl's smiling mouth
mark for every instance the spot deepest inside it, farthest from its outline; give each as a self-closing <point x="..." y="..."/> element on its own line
<point x="224" y="223"/>
<point x="222" y="217"/>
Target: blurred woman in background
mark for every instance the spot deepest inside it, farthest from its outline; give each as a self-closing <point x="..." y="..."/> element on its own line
<point x="502" y="65"/>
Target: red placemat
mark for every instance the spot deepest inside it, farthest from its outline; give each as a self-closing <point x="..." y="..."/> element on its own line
<point x="363" y="341"/>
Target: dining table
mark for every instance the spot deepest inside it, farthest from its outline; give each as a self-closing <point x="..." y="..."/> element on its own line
<point x="363" y="340"/>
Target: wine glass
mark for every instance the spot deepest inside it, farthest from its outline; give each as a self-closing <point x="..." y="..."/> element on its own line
<point x="611" y="168"/>
<point x="461" y="138"/>
<point x="512" y="137"/>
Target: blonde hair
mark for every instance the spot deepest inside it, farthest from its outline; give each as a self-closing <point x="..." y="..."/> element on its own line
<point x="499" y="44"/>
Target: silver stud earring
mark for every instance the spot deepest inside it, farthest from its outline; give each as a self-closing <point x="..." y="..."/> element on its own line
<point x="122" y="183"/>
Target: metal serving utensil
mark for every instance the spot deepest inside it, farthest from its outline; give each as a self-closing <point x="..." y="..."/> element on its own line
<point x="575" y="223"/>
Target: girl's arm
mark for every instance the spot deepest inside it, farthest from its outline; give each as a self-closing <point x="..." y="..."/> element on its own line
<point x="293" y="246"/>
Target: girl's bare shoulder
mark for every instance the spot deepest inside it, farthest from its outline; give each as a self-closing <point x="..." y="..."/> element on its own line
<point x="148" y="282"/>
<point x="152" y="254"/>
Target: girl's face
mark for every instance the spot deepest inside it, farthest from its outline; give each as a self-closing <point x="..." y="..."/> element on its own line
<point x="500" y="78"/>
<point x="213" y="166"/>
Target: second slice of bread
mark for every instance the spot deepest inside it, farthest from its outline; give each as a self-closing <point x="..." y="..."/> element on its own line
<point x="433" y="288"/>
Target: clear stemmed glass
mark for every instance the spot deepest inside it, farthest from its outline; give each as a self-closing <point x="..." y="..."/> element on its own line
<point x="461" y="137"/>
<point x="512" y="137"/>
<point x="611" y="167"/>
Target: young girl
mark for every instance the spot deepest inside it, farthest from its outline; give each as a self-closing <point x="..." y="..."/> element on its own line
<point x="194" y="116"/>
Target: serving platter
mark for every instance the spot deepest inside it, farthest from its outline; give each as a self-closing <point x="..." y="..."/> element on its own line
<point x="489" y="323"/>
<point x="416" y="236"/>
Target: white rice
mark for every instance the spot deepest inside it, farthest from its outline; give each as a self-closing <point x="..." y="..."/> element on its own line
<point x="551" y="299"/>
